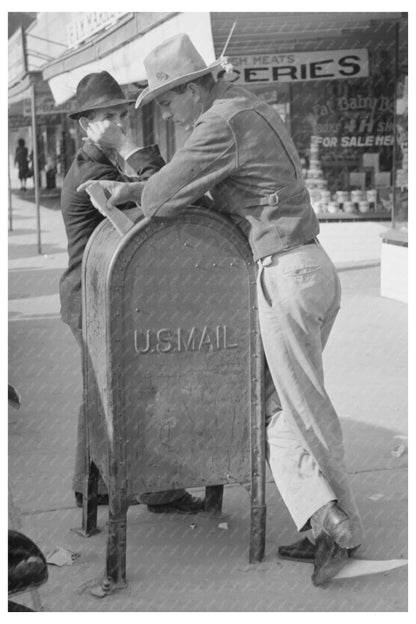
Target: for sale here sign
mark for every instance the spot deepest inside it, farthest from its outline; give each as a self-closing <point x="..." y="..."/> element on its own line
<point x="298" y="66"/>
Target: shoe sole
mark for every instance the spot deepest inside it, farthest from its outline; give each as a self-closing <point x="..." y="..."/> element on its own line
<point x="351" y="552"/>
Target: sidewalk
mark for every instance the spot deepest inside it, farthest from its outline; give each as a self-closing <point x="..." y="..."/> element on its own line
<point x="173" y="566"/>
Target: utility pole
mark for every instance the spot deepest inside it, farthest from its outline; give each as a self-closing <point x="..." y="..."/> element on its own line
<point x="36" y="165"/>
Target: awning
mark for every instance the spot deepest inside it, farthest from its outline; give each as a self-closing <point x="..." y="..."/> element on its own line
<point x="274" y="32"/>
<point x="125" y="61"/>
<point x="23" y="89"/>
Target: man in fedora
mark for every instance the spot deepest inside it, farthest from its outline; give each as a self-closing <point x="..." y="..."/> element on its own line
<point x="102" y="105"/>
<point x="240" y="151"/>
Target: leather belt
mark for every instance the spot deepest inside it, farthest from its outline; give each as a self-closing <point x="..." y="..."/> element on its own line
<point x="267" y="260"/>
<point x="269" y="200"/>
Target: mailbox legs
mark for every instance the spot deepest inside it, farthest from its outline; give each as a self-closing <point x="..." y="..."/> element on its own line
<point x="89" y="501"/>
<point x="258" y="497"/>
<point x="116" y="551"/>
<point x="257" y="533"/>
<point x="258" y="466"/>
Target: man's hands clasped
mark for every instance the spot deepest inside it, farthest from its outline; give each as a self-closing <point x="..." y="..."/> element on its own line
<point x="117" y="193"/>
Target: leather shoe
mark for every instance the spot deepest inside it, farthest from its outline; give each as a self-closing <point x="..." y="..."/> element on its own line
<point x="330" y="558"/>
<point x="187" y="504"/>
<point x="304" y="551"/>
<point x="331" y="520"/>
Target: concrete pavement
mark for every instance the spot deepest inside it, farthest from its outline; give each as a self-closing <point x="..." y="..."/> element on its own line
<point x="171" y="565"/>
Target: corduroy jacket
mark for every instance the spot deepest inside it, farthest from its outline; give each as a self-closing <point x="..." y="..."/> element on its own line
<point x="240" y="151"/>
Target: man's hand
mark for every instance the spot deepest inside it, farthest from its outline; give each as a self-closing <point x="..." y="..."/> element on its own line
<point x="107" y="134"/>
<point x="117" y="192"/>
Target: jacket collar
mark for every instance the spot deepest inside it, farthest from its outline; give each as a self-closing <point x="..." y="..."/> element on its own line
<point x="217" y="91"/>
<point x="96" y="153"/>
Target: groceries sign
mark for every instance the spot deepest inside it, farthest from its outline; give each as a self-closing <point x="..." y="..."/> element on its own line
<point x="298" y="66"/>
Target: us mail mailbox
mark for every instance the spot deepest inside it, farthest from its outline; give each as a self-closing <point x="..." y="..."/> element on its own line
<point x="174" y="368"/>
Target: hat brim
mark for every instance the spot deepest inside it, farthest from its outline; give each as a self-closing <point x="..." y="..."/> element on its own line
<point x="109" y="104"/>
<point x="147" y="95"/>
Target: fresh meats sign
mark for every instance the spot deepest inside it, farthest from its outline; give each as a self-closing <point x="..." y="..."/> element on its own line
<point x="298" y="66"/>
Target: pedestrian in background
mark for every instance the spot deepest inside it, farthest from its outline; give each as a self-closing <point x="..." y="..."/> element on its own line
<point x="21" y="160"/>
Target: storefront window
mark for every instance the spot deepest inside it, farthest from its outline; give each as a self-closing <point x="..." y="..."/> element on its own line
<point x="344" y="132"/>
<point x="400" y="200"/>
<point x="338" y="99"/>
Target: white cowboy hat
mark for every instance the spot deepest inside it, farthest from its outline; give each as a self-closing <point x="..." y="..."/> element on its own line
<point x="172" y="63"/>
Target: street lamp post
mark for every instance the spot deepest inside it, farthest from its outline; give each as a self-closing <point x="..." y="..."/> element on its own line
<point x="10" y="200"/>
<point x="36" y="166"/>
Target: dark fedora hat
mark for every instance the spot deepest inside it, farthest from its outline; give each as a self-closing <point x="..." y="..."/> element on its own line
<point x="98" y="90"/>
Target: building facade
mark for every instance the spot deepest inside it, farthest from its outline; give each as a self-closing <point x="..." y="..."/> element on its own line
<point x="339" y="80"/>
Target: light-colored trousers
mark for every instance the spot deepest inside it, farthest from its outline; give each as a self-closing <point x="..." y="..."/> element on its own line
<point x="299" y="296"/>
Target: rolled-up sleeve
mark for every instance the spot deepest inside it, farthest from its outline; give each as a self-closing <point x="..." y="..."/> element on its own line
<point x="208" y="157"/>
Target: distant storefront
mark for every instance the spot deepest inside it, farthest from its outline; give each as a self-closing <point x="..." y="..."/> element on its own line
<point x="335" y="78"/>
<point x="337" y="93"/>
<point x="56" y="136"/>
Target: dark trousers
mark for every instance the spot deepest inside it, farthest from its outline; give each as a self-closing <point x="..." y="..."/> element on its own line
<point x="148" y="498"/>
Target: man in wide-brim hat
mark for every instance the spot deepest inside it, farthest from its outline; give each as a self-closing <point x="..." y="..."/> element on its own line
<point x="101" y="106"/>
<point x="241" y="152"/>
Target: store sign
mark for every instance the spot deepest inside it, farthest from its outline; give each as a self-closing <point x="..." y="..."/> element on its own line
<point x="83" y="25"/>
<point x="47" y="106"/>
<point x="298" y="66"/>
<point x="18" y="121"/>
<point x="16" y="58"/>
<point x="21" y="121"/>
<point x="354" y="121"/>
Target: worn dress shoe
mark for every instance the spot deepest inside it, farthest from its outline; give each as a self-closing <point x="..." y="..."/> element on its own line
<point x="332" y="530"/>
<point x="330" y="558"/>
<point x="304" y="551"/>
<point x="187" y="504"/>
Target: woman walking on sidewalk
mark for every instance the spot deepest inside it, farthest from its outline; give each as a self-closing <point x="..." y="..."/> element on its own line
<point x="22" y="162"/>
